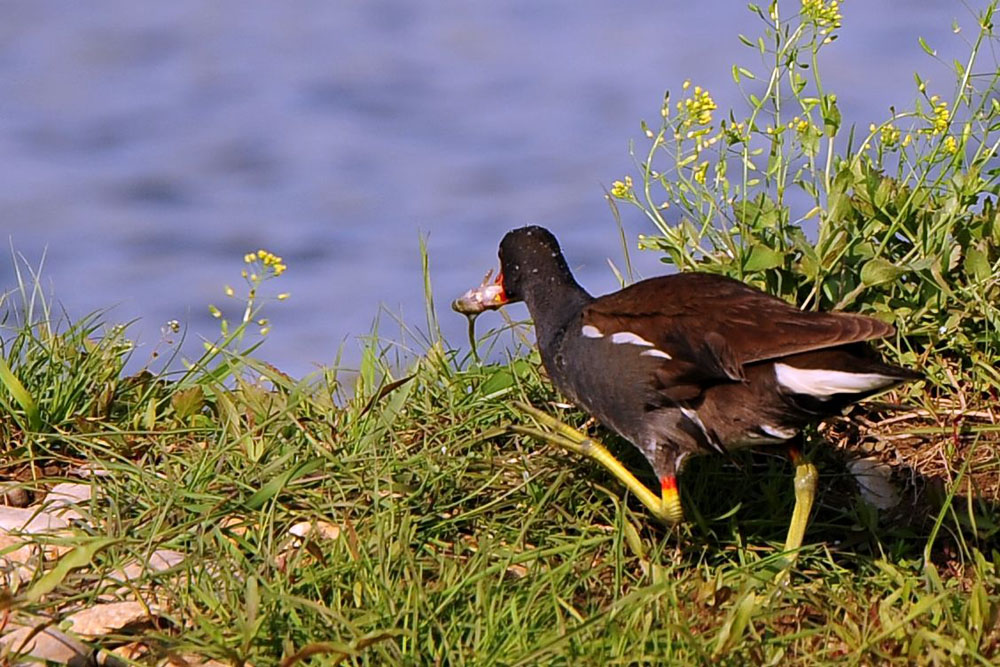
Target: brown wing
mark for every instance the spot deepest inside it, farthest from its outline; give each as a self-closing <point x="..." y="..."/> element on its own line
<point x="711" y="326"/>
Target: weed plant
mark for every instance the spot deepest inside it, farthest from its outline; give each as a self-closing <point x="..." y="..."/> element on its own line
<point x="898" y="220"/>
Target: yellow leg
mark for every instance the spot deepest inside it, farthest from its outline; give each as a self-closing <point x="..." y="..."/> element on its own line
<point x="805" y="493"/>
<point x="666" y="507"/>
<point x="671" y="510"/>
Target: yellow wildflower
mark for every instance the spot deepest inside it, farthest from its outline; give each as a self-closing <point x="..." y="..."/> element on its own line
<point x="826" y="15"/>
<point x="622" y="189"/>
<point x="700" y="171"/>
<point x="698" y="107"/>
<point x="889" y="135"/>
<point x="942" y="117"/>
<point x="268" y="260"/>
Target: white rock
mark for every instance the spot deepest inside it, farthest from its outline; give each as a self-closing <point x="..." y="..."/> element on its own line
<point x="48" y="644"/>
<point x="21" y="557"/>
<point x="875" y="483"/>
<point x="315" y="529"/>
<point x="65" y="499"/>
<point x="104" y="619"/>
<point x="69" y="493"/>
<point x="133" y="652"/>
<point x="133" y="571"/>
<point x="91" y="470"/>
<point x="29" y="520"/>
<point x="159" y="560"/>
<point x="164" y="559"/>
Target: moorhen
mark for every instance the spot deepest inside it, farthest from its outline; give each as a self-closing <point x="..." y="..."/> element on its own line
<point x="691" y="363"/>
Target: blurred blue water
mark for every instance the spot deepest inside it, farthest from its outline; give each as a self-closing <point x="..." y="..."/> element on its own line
<point x="147" y="146"/>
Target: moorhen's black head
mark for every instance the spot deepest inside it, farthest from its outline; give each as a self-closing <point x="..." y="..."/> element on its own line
<point x="533" y="270"/>
<point x="530" y="258"/>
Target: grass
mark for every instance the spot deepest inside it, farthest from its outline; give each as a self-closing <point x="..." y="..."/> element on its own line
<point x="391" y="516"/>
<point x="458" y="542"/>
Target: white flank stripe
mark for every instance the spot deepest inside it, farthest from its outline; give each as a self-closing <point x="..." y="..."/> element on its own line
<point x="775" y="432"/>
<point x="823" y="383"/>
<point x="630" y="338"/>
<point x="655" y="353"/>
<point x="590" y="331"/>
<point x="693" y="416"/>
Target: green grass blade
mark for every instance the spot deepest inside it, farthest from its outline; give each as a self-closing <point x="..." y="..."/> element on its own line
<point x="79" y="557"/>
<point x="21" y="395"/>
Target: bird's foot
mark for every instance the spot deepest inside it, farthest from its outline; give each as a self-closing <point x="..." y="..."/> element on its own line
<point x="666" y="507"/>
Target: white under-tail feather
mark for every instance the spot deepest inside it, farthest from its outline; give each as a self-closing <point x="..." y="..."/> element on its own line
<point x="823" y="383"/>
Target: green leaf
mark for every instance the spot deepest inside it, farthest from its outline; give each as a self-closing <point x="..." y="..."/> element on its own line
<point x="759" y="213"/>
<point x="736" y="622"/>
<point x="799" y="82"/>
<point x="977" y="264"/>
<point x="883" y="192"/>
<point x="940" y="280"/>
<point x="251" y="609"/>
<point x="633" y="541"/>
<point x="21" y="395"/>
<point x="504" y="378"/>
<point x="927" y="49"/>
<point x="78" y="557"/>
<point x="954" y="257"/>
<point x="187" y="402"/>
<point x="831" y="245"/>
<point x="809" y="266"/>
<point x="227" y="413"/>
<point x="762" y="258"/>
<point x="865" y="249"/>
<point x="149" y="415"/>
<point x="831" y="115"/>
<point x="277" y="484"/>
<point x="878" y="271"/>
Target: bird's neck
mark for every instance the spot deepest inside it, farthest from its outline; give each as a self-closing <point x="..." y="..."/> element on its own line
<point x="552" y="302"/>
